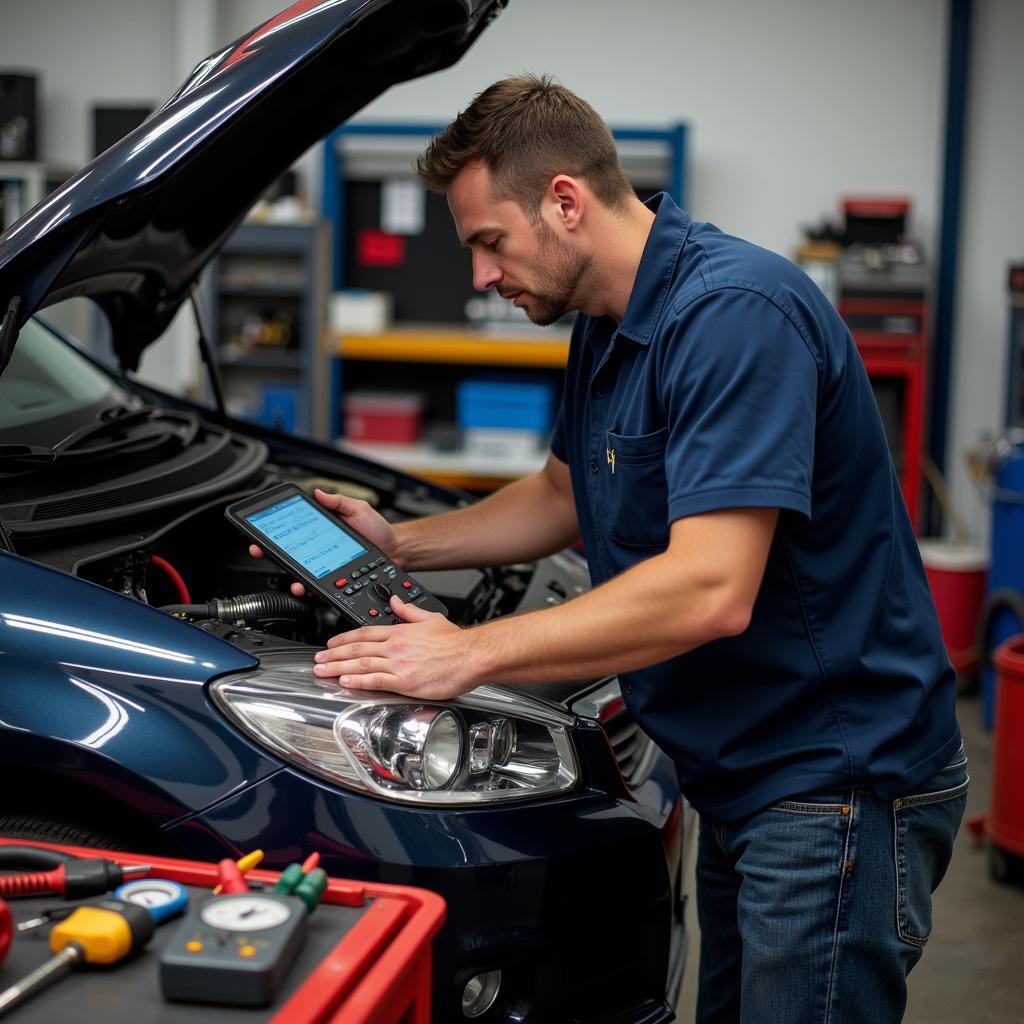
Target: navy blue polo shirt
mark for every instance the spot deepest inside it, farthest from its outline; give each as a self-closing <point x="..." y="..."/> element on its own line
<point x="733" y="383"/>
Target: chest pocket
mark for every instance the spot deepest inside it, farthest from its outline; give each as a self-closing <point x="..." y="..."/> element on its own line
<point x="635" y="492"/>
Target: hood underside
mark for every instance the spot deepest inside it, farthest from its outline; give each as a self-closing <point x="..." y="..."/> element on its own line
<point x="134" y="228"/>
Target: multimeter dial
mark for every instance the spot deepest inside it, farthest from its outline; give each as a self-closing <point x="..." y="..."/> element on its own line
<point x="245" y="913"/>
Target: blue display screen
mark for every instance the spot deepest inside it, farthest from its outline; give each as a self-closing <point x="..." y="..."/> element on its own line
<point x="304" y="533"/>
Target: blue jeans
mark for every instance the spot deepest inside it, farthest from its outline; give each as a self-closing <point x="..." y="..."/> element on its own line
<point x="814" y="910"/>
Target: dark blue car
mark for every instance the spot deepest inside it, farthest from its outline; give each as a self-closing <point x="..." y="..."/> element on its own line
<point x="134" y="716"/>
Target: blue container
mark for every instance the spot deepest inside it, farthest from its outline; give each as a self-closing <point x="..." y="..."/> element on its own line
<point x="511" y="405"/>
<point x="1007" y="570"/>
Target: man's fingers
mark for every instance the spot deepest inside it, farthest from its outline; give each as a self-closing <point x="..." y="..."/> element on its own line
<point x="298" y="589"/>
<point x="407" y="611"/>
<point x="351" y="666"/>
<point x="373" y="634"/>
<point x="374" y="681"/>
<point x="256" y="551"/>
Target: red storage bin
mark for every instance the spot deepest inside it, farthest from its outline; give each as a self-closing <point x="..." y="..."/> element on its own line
<point x="383" y="416"/>
<point x="1004" y="824"/>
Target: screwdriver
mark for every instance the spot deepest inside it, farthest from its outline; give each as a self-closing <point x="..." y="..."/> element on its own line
<point x="73" y="880"/>
<point x="103" y="932"/>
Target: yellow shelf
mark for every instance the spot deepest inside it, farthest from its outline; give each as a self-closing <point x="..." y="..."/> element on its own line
<point x="450" y="345"/>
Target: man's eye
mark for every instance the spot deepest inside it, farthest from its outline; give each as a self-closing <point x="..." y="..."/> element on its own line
<point x="492" y="246"/>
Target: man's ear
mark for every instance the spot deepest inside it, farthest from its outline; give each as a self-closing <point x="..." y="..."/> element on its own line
<point x="566" y="199"/>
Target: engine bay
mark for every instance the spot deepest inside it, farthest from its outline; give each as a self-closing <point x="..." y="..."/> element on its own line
<point x="191" y="563"/>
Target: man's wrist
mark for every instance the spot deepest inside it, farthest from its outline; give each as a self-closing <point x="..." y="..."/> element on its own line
<point x="400" y="554"/>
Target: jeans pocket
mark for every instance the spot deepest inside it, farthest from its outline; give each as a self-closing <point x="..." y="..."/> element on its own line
<point x="926" y="823"/>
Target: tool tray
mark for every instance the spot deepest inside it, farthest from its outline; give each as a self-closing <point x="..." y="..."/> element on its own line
<point x="366" y="957"/>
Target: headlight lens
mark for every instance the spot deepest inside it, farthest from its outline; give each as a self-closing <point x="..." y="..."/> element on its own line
<point x="486" y="746"/>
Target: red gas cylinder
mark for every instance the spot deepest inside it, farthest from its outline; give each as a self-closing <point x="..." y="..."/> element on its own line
<point x="1004" y="825"/>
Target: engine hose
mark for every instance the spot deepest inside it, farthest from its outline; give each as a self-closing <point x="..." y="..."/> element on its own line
<point x="31" y="857"/>
<point x="1003" y="599"/>
<point x="268" y="604"/>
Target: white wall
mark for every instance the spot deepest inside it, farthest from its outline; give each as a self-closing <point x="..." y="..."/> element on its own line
<point x="992" y="236"/>
<point x="86" y="52"/>
<point x="791" y="105"/>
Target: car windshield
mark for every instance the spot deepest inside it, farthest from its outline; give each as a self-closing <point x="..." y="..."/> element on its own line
<point x="47" y="380"/>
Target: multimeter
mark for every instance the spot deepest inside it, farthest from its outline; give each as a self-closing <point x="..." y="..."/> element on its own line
<point x="327" y="555"/>
<point x="234" y="949"/>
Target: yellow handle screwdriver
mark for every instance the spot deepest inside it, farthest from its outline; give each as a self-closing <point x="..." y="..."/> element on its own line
<point x="103" y="932"/>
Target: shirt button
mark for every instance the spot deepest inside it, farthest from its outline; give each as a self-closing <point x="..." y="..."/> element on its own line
<point x="599" y="393"/>
<point x="627" y="687"/>
<point x="594" y="466"/>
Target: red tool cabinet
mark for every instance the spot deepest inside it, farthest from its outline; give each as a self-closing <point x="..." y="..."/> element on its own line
<point x="890" y="333"/>
<point x="374" y="968"/>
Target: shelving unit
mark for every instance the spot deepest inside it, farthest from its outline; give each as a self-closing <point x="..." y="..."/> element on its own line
<point x="23" y="184"/>
<point x="268" y="294"/>
<point x="451" y="345"/>
<point x="654" y="159"/>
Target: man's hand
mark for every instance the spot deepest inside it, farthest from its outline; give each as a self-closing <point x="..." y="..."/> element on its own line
<point x="425" y="656"/>
<point x="359" y="515"/>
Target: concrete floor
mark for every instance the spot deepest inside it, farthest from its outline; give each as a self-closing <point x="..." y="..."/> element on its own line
<point x="973" y="966"/>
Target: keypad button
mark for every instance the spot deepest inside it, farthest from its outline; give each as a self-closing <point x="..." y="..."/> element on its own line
<point x="356" y="574"/>
<point x="407" y="584"/>
<point x="348" y="590"/>
<point x="374" y="575"/>
<point x="415" y="592"/>
<point x="357" y="586"/>
<point x="339" y="583"/>
<point x="373" y="613"/>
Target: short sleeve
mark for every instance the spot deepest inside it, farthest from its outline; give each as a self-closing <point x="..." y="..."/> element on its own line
<point x="740" y="384"/>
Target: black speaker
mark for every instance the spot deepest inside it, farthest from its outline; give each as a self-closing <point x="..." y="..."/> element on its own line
<point x="18" y="120"/>
<point x="111" y="124"/>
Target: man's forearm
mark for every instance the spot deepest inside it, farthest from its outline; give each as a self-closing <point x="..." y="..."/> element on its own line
<point x="527" y="519"/>
<point x="639" y="618"/>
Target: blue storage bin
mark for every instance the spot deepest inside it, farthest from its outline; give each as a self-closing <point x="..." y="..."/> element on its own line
<point x="514" y="405"/>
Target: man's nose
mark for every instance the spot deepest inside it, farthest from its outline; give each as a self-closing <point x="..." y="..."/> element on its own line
<point x="485" y="273"/>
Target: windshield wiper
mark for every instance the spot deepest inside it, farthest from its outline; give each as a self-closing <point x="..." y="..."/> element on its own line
<point x="118" y="417"/>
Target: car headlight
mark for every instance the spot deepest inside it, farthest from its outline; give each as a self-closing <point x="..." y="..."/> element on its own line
<point x="488" y="745"/>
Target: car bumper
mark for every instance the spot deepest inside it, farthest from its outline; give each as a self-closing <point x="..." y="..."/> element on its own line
<point x="577" y="901"/>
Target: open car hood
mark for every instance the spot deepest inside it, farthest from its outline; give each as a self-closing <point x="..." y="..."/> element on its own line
<point x="135" y="227"/>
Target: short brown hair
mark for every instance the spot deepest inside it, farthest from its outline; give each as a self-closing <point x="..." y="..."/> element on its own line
<point x="526" y="130"/>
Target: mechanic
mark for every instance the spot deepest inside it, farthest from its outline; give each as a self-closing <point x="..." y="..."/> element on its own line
<point x="758" y="586"/>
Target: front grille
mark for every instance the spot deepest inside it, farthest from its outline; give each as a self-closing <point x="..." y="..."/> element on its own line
<point x="633" y="748"/>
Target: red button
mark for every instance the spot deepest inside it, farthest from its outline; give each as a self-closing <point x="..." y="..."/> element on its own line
<point x="406" y="584"/>
<point x="374" y="613"/>
<point x="340" y="583"/>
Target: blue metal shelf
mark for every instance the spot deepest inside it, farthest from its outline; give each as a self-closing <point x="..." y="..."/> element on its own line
<point x="672" y="138"/>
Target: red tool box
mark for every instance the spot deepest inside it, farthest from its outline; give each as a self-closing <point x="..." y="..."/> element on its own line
<point x="366" y="960"/>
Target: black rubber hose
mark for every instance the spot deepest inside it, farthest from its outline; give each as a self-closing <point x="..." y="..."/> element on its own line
<point x="1004" y="599"/>
<point x="268" y="604"/>
<point x="29" y="858"/>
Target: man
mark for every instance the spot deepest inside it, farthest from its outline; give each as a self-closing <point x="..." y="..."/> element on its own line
<point x="757" y="583"/>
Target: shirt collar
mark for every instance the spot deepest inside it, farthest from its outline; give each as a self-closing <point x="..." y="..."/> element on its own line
<point x="657" y="269"/>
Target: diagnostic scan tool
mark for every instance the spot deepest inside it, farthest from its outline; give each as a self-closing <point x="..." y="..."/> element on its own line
<point x="327" y="556"/>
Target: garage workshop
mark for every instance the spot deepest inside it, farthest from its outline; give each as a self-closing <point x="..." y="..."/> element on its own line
<point x="512" y="512"/>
